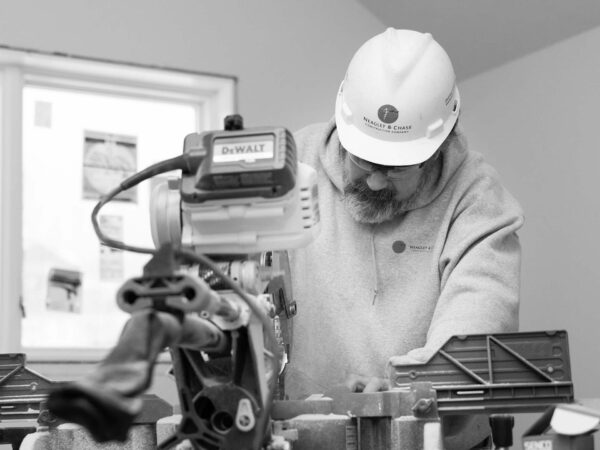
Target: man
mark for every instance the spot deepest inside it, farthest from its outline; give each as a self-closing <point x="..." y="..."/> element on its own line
<point x="418" y="237"/>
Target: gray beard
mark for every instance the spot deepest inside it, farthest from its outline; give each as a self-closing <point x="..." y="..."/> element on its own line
<point x="367" y="206"/>
<point x="374" y="207"/>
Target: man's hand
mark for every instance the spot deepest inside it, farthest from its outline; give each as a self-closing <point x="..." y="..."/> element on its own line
<point x="416" y="356"/>
<point x="358" y="383"/>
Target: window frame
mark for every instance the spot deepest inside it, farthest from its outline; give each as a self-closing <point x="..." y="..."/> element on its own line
<point x="213" y="96"/>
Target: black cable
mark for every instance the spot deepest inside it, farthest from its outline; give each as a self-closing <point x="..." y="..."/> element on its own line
<point x="186" y="162"/>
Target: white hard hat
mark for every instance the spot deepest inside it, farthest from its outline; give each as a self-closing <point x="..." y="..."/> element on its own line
<point x="398" y="101"/>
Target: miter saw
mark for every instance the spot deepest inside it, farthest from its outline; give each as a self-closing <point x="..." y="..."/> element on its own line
<point x="216" y="292"/>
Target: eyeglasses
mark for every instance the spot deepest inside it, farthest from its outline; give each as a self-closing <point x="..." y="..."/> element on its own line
<point x="392" y="172"/>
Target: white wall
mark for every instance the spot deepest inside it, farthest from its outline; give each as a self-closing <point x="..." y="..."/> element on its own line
<point x="289" y="56"/>
<point x="537" y="119"/>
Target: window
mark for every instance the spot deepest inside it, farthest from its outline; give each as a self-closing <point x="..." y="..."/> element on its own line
<point x="70" y="130"/>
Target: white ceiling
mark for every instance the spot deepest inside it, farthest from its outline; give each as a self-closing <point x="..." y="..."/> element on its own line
<point x="482" y="34"/>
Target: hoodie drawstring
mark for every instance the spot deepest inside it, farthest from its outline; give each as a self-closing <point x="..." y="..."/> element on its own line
<point x="375" y="272"/>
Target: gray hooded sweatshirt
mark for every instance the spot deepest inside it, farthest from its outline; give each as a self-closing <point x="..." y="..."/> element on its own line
<point x="448" y="265"/>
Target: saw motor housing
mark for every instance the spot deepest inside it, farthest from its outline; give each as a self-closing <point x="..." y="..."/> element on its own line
<point x="248" y="195"/>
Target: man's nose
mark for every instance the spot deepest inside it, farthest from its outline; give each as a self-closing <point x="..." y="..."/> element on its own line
<point x="377" y="181"/>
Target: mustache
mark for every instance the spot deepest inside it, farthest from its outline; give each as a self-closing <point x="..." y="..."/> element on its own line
<point x="360" y="190"/>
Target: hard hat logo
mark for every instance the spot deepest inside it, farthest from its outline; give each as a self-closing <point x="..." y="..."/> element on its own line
<point x="387" y="114"/>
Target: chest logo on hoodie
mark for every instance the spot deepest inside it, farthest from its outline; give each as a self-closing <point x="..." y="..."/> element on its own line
<point x="401" y="247"/>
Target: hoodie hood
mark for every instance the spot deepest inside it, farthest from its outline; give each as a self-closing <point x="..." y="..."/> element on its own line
<point x="451" y="158"/>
